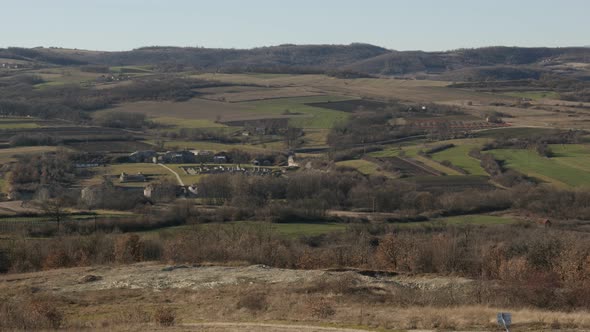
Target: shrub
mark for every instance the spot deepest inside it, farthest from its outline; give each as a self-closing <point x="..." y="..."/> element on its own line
<point x="129" y="248"/>
<point x="253" y="301"/>
<point x="321" y="308"/>
<point x="35" y="313"/>
<point x="164" y="317"/>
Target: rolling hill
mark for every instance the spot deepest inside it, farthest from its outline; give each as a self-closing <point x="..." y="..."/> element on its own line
<point x="488" y="62"/>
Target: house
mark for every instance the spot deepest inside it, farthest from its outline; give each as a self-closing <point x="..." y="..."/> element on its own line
<point x="163" y="192"/>
<point x="94" y="195"/>
<point x="177" y="157"/>
<point x="139" y="177"/>
<point x="143" y="156"/>
<point x="192" y="190"/>
<point x="220" y="159"/>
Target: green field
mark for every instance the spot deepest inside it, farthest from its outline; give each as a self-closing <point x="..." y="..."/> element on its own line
<point x="302" y="115"/>
<point x="459" y="156"/>
<point x="516" y="132"/>
<point x="131" y="69"/>
<point x="572" y="155"/>
<point x="18" y="123"/>
<point x="154" y="173"/>
<point x="465" y="180"/>
<point x="186" y="123"/>
<point x="567" y="168"/>
<point x="436" y="165"/>
<point x="213" y="146"/>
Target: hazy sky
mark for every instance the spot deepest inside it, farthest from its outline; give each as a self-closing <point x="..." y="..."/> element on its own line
<point x="394" y="24"/>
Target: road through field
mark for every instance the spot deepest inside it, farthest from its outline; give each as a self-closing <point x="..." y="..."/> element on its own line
<point x="175" y="174"/>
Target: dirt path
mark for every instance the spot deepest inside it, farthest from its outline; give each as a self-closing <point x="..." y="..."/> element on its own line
<point x="175" y="174"/>
<point x="252" y="327"/>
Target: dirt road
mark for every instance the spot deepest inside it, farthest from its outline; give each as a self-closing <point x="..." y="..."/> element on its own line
<point x="175" y="174"/>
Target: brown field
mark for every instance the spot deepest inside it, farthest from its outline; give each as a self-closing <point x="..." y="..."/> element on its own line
<point x="410" y="90"/>
<point x="8" y="155"/>
<point x="196" y="108"/>
<point x="248" y="93"/>
<point x="111" y="146"/>
<point x="543" y="112"/>
<point x="71" y="133"/>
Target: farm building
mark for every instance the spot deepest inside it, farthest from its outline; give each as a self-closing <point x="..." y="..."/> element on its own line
<point x="177" y="157"/>
<point x="220" y="159"/>
<point x="166" y="192"/>
<point x="94" y="195"/>
<point x="143" y="156"/>
<point x="139" y="177"/>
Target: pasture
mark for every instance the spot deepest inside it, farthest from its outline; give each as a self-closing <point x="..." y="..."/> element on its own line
<point x="364" y="167"/>
<point x="566" y="169"/>
<point x="436" y="165"/>
<point x="459" y="156"/>
<point x="19" y="123"/>
<point x="216" y="147"/>
<point x="572" y="155"/>
<point x="153" y="172"/>
<point x="300" y="113"/>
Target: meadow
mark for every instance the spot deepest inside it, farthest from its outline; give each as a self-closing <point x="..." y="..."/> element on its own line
<point x="459" y="156"/>
<point x="299" y="113"/>
<point x="365" y="167"/>
<point x="567" y="169"/>
<point x="18" y="123"/>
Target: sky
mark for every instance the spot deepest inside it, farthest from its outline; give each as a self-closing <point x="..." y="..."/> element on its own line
<point x="430" y="25"/>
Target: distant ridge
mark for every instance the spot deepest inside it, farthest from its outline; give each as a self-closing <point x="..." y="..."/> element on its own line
<point x="358" y="58"/>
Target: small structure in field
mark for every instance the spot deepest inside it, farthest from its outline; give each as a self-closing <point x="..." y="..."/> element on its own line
<point x="139" y="177"/>
<point x="177" y="157"/>
<point x="145" y="156"/>
<point x="220" y="159"/>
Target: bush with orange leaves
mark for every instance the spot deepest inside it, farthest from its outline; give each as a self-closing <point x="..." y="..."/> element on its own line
<point x="128" y="249"/>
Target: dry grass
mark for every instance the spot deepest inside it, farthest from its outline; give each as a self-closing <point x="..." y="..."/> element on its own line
<point x="343" y="299"/>
<point x="8" y="155"/>
<point x="234" y="95"/>
<point x="193" y="109"/>
<point x="414" y="90"/>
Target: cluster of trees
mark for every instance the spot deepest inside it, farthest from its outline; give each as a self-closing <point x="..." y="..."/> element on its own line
<point x="308" y="195"/>
<point x="122" y="120"/>
<point x="31" y="172"/>
<point x="539" y="142"/>
<point x="366" y="128"/>
<point x="19" y="97"/>
<point x="34" y="139"/>
<point x="533" y="266"/>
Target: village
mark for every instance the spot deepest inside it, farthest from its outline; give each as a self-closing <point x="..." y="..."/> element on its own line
<point x="193" y="163"/>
